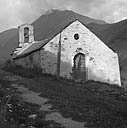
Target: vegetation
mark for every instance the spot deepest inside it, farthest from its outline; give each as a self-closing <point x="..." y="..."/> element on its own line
<point x="99" y="104"/>
<point x="16" y="113"/>
<point x="19" y="70"/>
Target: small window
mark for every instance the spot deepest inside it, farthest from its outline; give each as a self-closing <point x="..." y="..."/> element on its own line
<point x="76" y="36"/>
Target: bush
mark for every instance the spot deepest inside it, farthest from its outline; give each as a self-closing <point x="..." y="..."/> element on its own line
<point x="23" y="71"/>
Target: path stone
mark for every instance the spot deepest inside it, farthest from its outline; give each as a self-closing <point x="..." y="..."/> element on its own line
<point x="33" y="97"/>
<point x="67" y="122"/>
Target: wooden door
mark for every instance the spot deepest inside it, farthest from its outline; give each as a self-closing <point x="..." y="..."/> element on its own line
<point x="79" y="69"/>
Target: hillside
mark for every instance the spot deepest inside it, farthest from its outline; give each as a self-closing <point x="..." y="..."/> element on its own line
<point x="61" y="103"/>
<point x="114" y="35"/>
<point x="8" y="43"/>
<point x="48" y="24"/>
<point x="45" y="26"/>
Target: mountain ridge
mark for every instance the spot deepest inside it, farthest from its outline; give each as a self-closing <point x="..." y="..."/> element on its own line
<point x="114" y="35"/>
<point x="42" y="26"/>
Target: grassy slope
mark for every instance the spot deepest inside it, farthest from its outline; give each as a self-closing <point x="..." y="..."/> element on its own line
<point x="90" y="103"/>
<point x="100" y="105"/>
<point x="17" y="110"/>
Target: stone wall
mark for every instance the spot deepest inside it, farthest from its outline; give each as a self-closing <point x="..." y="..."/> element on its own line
<point x="49" y="56"/>
<point x="32" y="60"/>
<point x="101" y="62"/>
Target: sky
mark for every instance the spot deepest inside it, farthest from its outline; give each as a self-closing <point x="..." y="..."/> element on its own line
<point x="16" y="12"/>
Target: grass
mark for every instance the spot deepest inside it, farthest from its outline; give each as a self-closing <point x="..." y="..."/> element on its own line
<point x="15" y="111"/>
<point x="99" y="104"/>
<point x="4" y="92"/>
<point x="19" y="70"/>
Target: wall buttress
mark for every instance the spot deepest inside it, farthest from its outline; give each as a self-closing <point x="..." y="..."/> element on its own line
<point x="59" y="57"/>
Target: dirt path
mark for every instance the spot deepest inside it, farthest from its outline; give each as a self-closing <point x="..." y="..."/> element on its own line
<point x="33" y="97"/>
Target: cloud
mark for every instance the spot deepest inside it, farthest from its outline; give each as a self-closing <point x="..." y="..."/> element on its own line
<point x="16" y="12"/>
<point x="111" y="11"/>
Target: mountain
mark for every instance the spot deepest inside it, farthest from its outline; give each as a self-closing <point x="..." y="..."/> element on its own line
<point x="8" y="43"/>
<point x="114" y="35"/>
<point x="45" y="26"/>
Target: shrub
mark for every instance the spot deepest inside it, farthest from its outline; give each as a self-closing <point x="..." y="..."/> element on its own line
<point x="23" y="71"/>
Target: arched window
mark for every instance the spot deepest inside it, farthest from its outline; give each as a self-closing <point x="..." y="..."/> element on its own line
<point x="26" y="34"/>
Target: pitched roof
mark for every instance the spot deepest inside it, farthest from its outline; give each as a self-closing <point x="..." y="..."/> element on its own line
<point x="30" y="48"/>
<point x="39" y="44"/>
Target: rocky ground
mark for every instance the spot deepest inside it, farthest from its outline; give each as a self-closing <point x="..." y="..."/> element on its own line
<point x="41" y="101"/>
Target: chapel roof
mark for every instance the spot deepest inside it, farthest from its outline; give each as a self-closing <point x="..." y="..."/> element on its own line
<point x="34" y="46"/>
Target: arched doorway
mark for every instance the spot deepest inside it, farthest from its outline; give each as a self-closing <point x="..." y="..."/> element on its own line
<point x="79" y="68"/>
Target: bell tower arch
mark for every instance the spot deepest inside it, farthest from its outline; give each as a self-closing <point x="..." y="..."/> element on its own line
<point x="26" y="35"/>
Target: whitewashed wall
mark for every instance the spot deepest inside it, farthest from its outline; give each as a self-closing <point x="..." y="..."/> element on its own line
<point x="49" y="56"/>
<point x="101" y="62"/>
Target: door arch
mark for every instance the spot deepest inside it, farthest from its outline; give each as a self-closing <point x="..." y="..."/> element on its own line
<point x="79" y="68"/>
